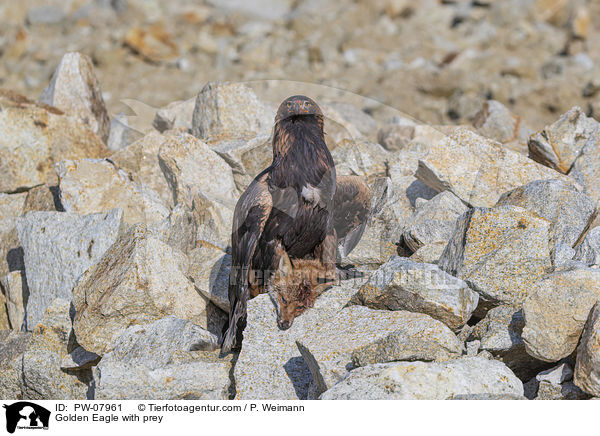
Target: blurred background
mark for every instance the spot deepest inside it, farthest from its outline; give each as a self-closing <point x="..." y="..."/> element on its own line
<point x="434" y="60"/>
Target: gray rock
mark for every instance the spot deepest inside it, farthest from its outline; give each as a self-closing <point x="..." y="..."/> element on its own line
<point x="209" y="271"/>
<point x="247" y="157"/>
<point x="30" y="148"/>
<point x="588" y="251"/>
<point x="163" y="360"/>
<point x="359" y="336"/>
<point x="75" y="90"/>
<point x="138" y="280"/>
<point x="559" y="145"/>
<point x="402" y="284"/>
<point x="360" y="158"/>
<point x="564" y="391"/>
<point x="478" y="170"/>
<point x="269" y="365"/>
<point x="176" y="115"/>
<point x="389" y="208"/>
<point x="42" y="377"/>
<point x="429" y="253"/>
<point x="12" y="349"/>
<point x="140" y="161"/>
<point x="496" y="121"/>
<point x="121" y="134"/>
<point x="468" y="376"/>
<point x="569" y="211"/>
<point x="17" y="292"/>
<point x="499" y="333"/>
<point x="58" y="247"/>
<point x="587" y="368"/>
<point x="394" y="137"/>
<point x="229" y="110"/>
<point x="98" y="185"/>
<point x="556" y="375"/>
<point x="499" y="252"/>
<point x="433" y="220"/>
<point x="556" y="311"/>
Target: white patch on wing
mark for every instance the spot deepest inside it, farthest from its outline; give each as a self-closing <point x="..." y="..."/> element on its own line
<point x="311" y="194"/>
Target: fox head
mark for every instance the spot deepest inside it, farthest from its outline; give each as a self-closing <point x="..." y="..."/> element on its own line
<point x="294" y="287"/>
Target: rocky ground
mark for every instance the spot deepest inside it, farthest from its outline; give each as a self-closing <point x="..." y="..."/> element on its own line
<point x="473" y="123"/>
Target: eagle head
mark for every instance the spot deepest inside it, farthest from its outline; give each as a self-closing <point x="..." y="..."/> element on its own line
<point x="297" y="106"/>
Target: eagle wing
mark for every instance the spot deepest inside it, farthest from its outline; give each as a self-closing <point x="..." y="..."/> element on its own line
<point x="351" y="210"/>
<point x="251" y="213"/>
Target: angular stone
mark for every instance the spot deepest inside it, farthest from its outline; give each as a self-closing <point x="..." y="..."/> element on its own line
<point x="587" y="368"/>
<point x="4" y="321"/>
<point x="394" y="137"/>
<point x="79" y="359"/>
<point x="190" y="166"/>
<point x="176" y="115"/>
<point x="92" y="185"/>
<point x="42" y="376"/>
<point x="138" y="280"/>
<point x="12" y="349"/>
<point x="556" y="375"/>
<point x="246" y="157"/>
<point x="429" y="253"/>
<point x="496" y="121"/>
<point x="58" y="247"/>
<point x="15" y="286"/>
<point x="499" y="252"/>
<point x="11" y="253"/>
<point x="75" y="90"/>
<point x="360" y="158"/>
<point x="569" y="211"/>
<point x="229" y="110"/>
<point x="433" y="220"/>
<point x="140" y="159"/>
<point x="556" y="311"/>
<point x="478" y="170"/>
<point x="499" y="332"/>
<point x="42" y="198"/>
<point x="359" y="336"/>
<point x="560" y="144"/>
<point x="564" y="391"/>
<point x="588" y="251"/>
<point x="269" y="365"/>
<point x="468" y="376"/>
<point x="402" y="284"/>
<point x="179" y="229"/>
<point x="345" y="121"/>
<point x="209" y="271"/>
<point x="389" y="208"/>
<point x="35" y="136"/>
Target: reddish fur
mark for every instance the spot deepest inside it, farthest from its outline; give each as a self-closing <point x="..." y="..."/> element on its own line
<point x="295" y="288"/>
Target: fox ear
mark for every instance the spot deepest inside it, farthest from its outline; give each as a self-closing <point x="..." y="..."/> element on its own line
<point x="285" y="266"/>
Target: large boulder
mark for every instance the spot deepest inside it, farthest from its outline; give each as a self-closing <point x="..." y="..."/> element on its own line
<point x="164" y="360"/>
<point x="138" y="280"/>
<point x="556" y="311"/>
<point x="587" y="369"/>
<point x="247" y="157"/>
<point x="12" y="347"/>
<point x="229" y="110"/>
<point x="58" y="247"/>
<point x="75" y="90"/>
<point x="496" y="121"/>
<point x="359" y="336"/>
<point x="433" y="220"/>
<point x="499" y="252"/>
<point x="360" y="158"/>
<point x="43" y="378"/>
<point x="478" y="170"/>
<point x="569" y="211"/>
<point x="499" y="333"/>
<point x="403" y="284"/>
<point x="468" y="377"/>
<point x="97" y="185"/>
<point x="35" y="136"/>
<point x="140" y="160"/>
<point x="269" y="365"/>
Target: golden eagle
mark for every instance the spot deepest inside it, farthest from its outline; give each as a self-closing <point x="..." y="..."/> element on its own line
<point x="294" y="203"/>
